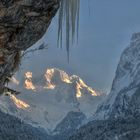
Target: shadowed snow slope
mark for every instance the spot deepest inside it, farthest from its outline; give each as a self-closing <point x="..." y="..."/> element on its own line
<point x="12" y="128"/>
<point x="119" y="116"/>
<point x="124" y="98"/>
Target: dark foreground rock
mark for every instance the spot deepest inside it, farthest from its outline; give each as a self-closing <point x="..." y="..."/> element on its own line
<point x="22" y="23"/>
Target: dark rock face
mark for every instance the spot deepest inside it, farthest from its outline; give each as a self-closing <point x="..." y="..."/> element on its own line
<point x="22" y="23"/>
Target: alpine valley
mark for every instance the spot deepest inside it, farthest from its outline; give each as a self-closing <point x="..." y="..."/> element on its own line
<point x="63" y="107"/>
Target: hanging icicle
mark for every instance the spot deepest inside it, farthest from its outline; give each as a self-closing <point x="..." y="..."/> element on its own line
<point x="68" y="14"/>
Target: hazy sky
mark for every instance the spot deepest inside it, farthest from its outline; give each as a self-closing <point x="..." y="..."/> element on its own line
<point x="105" y="30"/>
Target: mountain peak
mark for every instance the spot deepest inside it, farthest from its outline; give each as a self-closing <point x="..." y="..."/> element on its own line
<point x="56" y="77"/>
<point x="56" y="95"/>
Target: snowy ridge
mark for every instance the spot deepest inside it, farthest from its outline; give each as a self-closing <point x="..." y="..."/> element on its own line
<point x="49" y="103"/>
<point x="125" y="84"/>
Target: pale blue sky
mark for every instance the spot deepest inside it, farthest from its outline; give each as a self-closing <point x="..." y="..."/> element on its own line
<point x="103" y="35"/>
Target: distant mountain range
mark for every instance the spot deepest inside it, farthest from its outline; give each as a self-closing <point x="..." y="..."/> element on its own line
<point x="46" y="102"/>
<point x="124" y="98"/>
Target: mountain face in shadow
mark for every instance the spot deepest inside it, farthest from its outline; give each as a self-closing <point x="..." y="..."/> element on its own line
<point x="12" y="128"/>
<point x="118" y="117"/>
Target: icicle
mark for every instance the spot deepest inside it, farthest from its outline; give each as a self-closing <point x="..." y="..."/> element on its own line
<point x="68" y="13"/>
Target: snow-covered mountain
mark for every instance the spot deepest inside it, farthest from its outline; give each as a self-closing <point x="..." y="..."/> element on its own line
<point x="124" y="98"/>
<point x="46" y="101"/>
<point x="119" y="116"/>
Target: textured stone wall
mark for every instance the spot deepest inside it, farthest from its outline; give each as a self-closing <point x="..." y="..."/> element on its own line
<point x="23" y="22"/>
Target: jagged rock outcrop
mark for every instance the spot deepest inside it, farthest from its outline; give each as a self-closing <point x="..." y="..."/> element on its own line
<point x="22" y="23"/>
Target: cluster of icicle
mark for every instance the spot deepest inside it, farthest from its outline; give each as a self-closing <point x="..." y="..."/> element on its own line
<point x="68" y="15"/>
